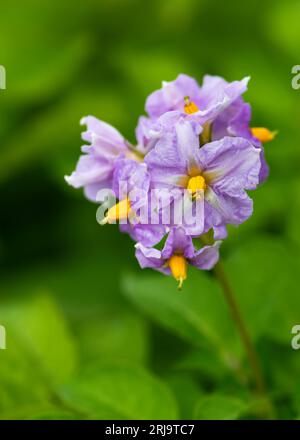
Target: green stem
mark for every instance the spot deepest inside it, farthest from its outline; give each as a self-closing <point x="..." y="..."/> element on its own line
<point x="246" y="340"/>
<point x="243" y="332"/>
<point x="237" y="317"/>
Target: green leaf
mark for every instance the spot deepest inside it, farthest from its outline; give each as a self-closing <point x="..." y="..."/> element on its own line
<point x="20" y="384"/>
<point x="204" y="361"/>
<point x="54" y="414"/>
<point x="115" y="334"/>
<point x="262" y="273"/>
<point x="219" y="407"/>
<point x="53" y="134"/>
<point x="39" y="327"/>
<point x="284" y="18"/>
<point x="40" y="66"/>
<point x="198" y="313"/>
<point x="116" y="391"/>
<point x="187" y="392"/>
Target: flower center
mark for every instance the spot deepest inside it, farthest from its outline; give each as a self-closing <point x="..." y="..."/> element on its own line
<point x="134" y="155"/>
<point x="178" y="266"/>
<point x="195" y="184"/>
<point x="120" y="211"/>
<point x="190" y="107"/>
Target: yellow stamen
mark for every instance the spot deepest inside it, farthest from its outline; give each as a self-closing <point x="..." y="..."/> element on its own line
<point x="263" y="134"/>
<point x="190" y="107"/>
<point x="195" y="184"/>
<point x="120" y="211"/>
<point x="178" y="267"/>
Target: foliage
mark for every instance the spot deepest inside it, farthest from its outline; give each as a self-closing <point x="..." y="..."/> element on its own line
<point x="88" y="334"/>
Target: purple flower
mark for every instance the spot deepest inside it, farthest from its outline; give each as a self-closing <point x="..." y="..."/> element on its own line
<point x="216" y="109"/>
<point x="131" y="183"/>
<point x="147" y="132"/>
<point x="177" y="253"/>
<point x="216" y="174"/>
<point x="171" y="96"/>
<point x="185" y="96"/>
<point x="195" y="159"/>
<point x="94" y="170"/>
<point x="235" y="121"/>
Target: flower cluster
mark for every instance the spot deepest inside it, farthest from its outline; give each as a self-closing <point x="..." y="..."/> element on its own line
<point x="187" y="177"/>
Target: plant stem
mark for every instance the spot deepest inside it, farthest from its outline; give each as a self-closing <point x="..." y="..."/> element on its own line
<point x="242" y="329"/>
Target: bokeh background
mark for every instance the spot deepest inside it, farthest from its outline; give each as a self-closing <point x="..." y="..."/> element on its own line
<point x="89" y="334"/>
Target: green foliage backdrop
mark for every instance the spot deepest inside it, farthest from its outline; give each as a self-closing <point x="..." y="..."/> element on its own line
<point x="89" y="335"/>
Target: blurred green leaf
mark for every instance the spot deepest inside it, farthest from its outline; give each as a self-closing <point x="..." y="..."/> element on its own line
<point x="53" y="134"/>
<point x="187" y="392"/>
<point x="103" y="59"/>
<point x="39" y="326"/>
<point x="262" y="273"/>
<point x="47" y="73"/>
<point x="20" y="382"/>
<point x="219" y="407"/>
<point x="198" y="313"/>
<point x="53" y="415"/>
<point x="204" y="361"/>
<point x="41" y="63"/>
<point x="113" y="335"/>
<point x="120" y="392"/>
<point x="284" y="17"/>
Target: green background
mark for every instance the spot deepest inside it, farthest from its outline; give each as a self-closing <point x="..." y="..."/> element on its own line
<point x="89" y="334"/>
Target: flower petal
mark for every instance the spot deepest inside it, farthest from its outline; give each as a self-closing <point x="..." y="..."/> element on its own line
<point x="171" y="96"/>
<point x="89" y="170"/>
<point x="216" y="95"/>
<point x="206" y="257"/>
<point x="231" y="165"/>
<point x="101" y="130"/>
<point x="150" y="258"/>
<point x="221" y="209"/>
<point x="178" y="242"/>
<point x="187" y="144"/>
<point x="165" y="161"/>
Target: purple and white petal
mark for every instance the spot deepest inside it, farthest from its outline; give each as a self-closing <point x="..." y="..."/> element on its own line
<point x="94" y="170"/>
<point x="216" y="95"/>
<point x="178" y="242"/>
<point x="101" y="130"/>
<point x="148" y="257"/>
<point x="89" y="170"/>
<point x="222" y="209"/>
<point x="147" y="134"/>
<point x="206" y="257"/>
<point x="187" y="144"/>
<point x="171" y="96"/>
<point x="130" y="176"/>
<point x="165" y="161"/>
<point x="264" y="170"/>
<point x="151" y="258"/>
<point x="231" y="165"/>
<point x="147" y="234"/>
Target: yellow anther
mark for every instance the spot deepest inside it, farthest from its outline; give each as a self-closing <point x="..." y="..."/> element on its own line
<point x="195" y="184"/>
<point x="263" y="134"/>
<point x="120" y="211"/>
<point x="190" y="107"/>
<point x="178" y="267"/>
